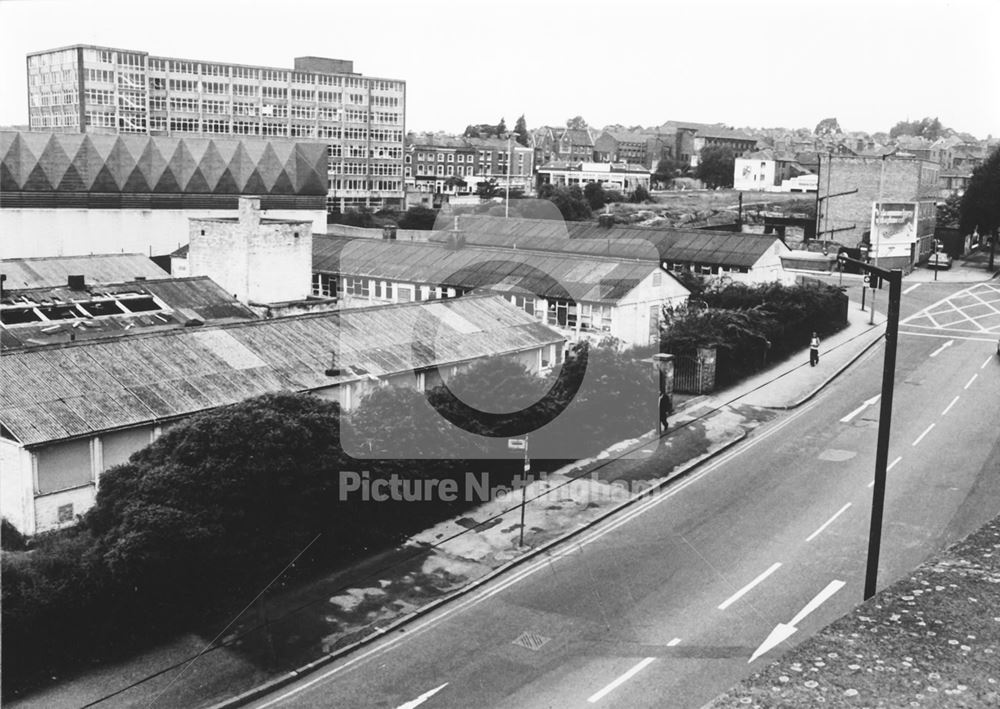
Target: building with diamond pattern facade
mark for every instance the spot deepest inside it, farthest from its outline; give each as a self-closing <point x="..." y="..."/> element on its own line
<point x="65" y="194"/>
<point x="361" y="119"/>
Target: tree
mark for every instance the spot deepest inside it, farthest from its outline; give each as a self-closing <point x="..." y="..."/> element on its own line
<point x="501" y="129"/>
<point x="521" y="128"/>
<point x="666" y="169"/>
<point x="949" y="212"/>
<point x="929" y="128"/>
<point x="568" y="200"/>
<point x="576" y="123"/>
<point x="980" y="208"/>
<point x="418" y="217"/>
<point x="716" y="166"/>
<point x="639" y="195"/>
<point x="828" y="127"/>
<point x="593" y="192"/>
<point x="487" y="189"/>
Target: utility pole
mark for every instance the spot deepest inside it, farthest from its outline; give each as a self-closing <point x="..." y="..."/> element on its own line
<point x="895" y="279"/>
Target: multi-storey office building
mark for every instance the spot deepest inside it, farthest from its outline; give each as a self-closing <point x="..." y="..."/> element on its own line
<point x="89" y="89"/>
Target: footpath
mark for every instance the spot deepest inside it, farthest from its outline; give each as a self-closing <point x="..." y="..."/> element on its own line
<point x="289" y="632"/>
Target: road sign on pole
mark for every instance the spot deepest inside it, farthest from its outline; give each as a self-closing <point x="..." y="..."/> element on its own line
<point x="517" y="444"/>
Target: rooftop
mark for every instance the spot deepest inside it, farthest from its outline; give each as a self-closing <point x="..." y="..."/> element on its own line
<point x="81" y="388"/>
<point x="583" y="278"/>
<point x="51" y="271"/>
<point x="42" y="316"/>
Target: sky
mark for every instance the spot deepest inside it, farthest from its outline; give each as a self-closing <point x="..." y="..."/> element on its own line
<point x="769" y="63"/>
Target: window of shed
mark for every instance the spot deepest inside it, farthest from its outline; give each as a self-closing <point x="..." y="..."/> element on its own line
<point x="59" y="312"/>
<point x="139" y="305"/>
<point x="102" y="307"/>
<point x="15" y="316"/>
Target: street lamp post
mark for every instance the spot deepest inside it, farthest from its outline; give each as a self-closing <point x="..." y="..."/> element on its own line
<point x="510" y="159"/>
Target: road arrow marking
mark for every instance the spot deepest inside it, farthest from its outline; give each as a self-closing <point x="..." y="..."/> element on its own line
<point x="597" y="696"/>
<point x="942" y="348"/>
<point x="871" y="402"/>
<point x="422" y="698"/>
<point x="783" y="631"/>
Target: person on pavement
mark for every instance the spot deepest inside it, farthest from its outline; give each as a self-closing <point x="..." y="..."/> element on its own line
<point x="814" y="350"/>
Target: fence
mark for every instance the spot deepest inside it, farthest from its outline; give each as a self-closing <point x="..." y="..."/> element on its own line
<point x="695" y="375"/>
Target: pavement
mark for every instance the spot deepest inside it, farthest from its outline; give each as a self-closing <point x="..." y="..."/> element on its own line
<point x="306" y="628"/>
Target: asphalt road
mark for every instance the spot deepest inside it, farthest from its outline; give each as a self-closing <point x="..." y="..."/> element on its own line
<point x="665" y="605"/>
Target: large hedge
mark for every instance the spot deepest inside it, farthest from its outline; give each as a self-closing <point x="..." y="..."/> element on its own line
<point x="753" y="325"/>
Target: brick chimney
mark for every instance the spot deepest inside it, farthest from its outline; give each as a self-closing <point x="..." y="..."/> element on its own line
<point x="249" y="211"/>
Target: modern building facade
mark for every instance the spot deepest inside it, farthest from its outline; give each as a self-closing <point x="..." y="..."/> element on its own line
<point x="91" y="89"/>
<point x="64" y="194"/>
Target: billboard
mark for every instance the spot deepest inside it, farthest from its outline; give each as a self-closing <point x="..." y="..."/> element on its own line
<point x="894" y="228"/>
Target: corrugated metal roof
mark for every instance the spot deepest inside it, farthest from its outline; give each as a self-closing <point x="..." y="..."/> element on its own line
<point x="678" y="245"/>
<point x="62" y="391"/>
<point x="583" y="278"/>
<point x="54" y="270"/>
<point x="193" y="298"/>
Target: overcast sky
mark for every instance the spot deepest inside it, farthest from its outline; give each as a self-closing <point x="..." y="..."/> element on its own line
<point x="763" y="63"/>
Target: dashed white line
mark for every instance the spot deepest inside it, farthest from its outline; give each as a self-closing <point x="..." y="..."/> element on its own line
<point x="597" y="696"/>
<point x="746" y="589"/>
<point x="675" y="641"/>
<point x="828" y="522"/>
<point x="888" y="468"/>
<point x="915" y="285"/>
<point x="969" y="383"/>
<point x="942" y="348"/>
<point x="948" y="408"/>
<point x="985" y="364"/>
<point x="921" y="436"/>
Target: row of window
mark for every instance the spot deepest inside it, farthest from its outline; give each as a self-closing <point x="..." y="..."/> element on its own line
<point x="704" y="269"/>
<point x="460" y="170"/>
<point x="59" y="76"/>
<point x="58" y="98"/>
<point x="363" y="185"/>
<point x="55" y="121"/>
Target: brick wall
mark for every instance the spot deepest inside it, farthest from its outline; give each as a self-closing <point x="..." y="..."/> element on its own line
<point x="906" y="180"/>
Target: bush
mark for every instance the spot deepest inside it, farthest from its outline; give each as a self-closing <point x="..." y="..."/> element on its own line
<point x="752" y="325"/>
<point x="418" y="218"/>
<point x="10" y="538"/>
<point x="639" y="195"/>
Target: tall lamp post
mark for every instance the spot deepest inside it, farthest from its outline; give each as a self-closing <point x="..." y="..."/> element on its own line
<point x="506" y="201"/>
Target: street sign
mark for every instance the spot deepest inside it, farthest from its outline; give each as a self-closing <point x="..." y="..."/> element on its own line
<point x="517" y="444"/>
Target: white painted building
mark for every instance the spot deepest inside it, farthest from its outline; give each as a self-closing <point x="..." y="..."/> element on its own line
<point x="62" y="426"/>
<point x="584" y="296"/>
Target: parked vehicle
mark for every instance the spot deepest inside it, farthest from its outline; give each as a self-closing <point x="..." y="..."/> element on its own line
<point x="940" y="260"/>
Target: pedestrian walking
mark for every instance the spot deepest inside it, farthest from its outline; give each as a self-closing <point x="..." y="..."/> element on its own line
<point x="814" y="350"/>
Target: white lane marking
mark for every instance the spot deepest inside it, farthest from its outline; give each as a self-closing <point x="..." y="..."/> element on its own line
<point x="828" y="522"/>
<point x="597" y="696"/>
<point x="783" y="631"/>
<point x="888" y="468"/>
<point x="413" y="703"/>
<point x="913" y="287"/>
<point x="746" y="589"/>
<point x="942" y="348"/>
<point x="921" y="436"/>
<point x="675" y="641"/>
<point x="948" y="408"/>
<point x="477" y="597"/>
<point x="969" y="383"/>
<point x="865" y="405"/>
<point x="949" y="336"/>
<point x="985" y="364"/>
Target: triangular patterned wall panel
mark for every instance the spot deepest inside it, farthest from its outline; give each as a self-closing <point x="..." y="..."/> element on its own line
<point x="75" y="162"/>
